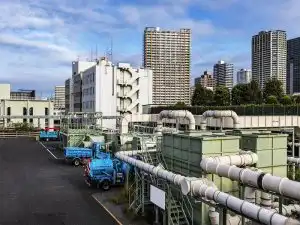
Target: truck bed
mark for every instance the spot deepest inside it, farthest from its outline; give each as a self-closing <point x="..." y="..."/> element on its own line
<point x="77" y="152"/>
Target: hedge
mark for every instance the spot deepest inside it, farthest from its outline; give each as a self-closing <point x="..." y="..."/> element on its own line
<point x="246" y="110"/>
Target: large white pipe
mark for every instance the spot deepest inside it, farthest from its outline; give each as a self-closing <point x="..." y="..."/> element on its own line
<point x="295" y="144"/>
<point x="219" y="114"/>
<point x="244" y="159"/>
<point x="198" y="188"/>
<point x="257" y="179"/>
<point x="204" y="188"/>
<point x="293" y="160"/>
<point x="176" y="114"/>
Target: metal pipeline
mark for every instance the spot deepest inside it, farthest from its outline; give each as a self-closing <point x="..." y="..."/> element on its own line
<point x="198" y="188"/>
<point x="293" y="160"/>
<point x="257" y="179"/>
<point x="204" y="188"/>
<point x="219" y="114"/>
<point x="172" y="114"/>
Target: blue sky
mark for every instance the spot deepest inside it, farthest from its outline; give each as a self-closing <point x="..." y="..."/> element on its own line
<point x="40" y="38"/>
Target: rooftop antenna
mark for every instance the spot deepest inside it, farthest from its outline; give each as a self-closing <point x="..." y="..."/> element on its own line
<point x="96" y="52"/>
<point x="91" y="59"/>
<point x="111" y="49"/>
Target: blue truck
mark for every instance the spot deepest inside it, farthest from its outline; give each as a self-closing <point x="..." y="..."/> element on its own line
<point x="105" y="172"/>
<point x="49" y="134"/>
<point x="79" y="155"/>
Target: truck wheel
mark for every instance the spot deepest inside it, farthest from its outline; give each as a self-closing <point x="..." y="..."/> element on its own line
<point x="105" y="185"/>
<point x="76" y="162"/>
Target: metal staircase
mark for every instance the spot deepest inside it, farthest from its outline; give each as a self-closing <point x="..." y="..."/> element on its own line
<point x="179" y="210"/>
<point x="132" y="105"/>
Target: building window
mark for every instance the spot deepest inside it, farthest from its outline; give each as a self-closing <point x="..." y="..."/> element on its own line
<point x="24" y="120"/>
<point x="31" y="111"/>
<point x="46" y="111"/>
<point x="31" y="121"/>
<point x="24" y="111"/>
<point x="8" y="111"/>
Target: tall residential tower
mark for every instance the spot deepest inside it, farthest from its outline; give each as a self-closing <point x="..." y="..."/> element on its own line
<point x="244" y="76"/>
<point x="293" y="66"/>
<point x="168" y="54"/>
<point x="223" y="74"/>
<point x="269" y="54"/>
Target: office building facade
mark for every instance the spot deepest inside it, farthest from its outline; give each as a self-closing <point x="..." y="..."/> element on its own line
<point x="59" y="97"/>
<point x="223" y="74"/>
<point x="293" y="66"/>
<point x="206" y="80"/>
<point x="244" y="76"/>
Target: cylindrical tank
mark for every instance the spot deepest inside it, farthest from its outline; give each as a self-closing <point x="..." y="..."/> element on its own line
<point x="101" y="166"/>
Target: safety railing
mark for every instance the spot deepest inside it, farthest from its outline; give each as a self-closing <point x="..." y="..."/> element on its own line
<point x="19" y="134"/>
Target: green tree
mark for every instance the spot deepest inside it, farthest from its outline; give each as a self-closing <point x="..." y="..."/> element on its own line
<point x="273" y="87"/>
<point x="253" y="94"/>
<point x="202" y="96"/>
<point x="180" y="104"/>
<point x="272" y="100"/>
<point x="286" y="100"/>
<point x="239" y="94"/>
<point x="222" y="96"/>
<point x="296" y="99"/>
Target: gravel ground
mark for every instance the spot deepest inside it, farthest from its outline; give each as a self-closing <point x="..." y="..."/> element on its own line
<point x="36" y="189"/>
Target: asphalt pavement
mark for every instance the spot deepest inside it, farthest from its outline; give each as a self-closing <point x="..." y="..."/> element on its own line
<point x="37" y="189"/>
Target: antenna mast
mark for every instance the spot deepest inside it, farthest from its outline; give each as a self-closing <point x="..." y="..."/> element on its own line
<point x="111" y="49"/>
<point x="96" y="52"/>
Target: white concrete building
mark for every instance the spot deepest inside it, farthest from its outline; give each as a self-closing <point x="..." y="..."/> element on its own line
<point x="76" y="83"/>
<point x="244" y="76"/>
<point x="32" y="107"/>
<point x="115" y="90"/>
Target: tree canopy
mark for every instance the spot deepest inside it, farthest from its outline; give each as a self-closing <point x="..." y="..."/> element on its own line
<point x="272" y="100"/>
<point x="202" y="96"/>
<point x="273" y="87"/>
<point x="222" y="96"/>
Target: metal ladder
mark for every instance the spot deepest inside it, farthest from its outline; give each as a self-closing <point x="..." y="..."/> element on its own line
<point x="179" y="212"/>
<point x="139" y="194"/>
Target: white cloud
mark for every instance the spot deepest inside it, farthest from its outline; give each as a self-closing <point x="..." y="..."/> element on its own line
<point x="40" y="38"/>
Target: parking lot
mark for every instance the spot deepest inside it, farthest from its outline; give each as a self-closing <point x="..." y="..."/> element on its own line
<point x="37" y="189"/>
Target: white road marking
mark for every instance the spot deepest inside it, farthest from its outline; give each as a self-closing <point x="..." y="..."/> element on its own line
<point x="48" y="150"/>
<point x="112" y="215"/>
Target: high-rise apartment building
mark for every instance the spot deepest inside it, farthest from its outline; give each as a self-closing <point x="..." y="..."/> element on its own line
<point x="68" y="94"/>
<point x="269" y="56"/>
<point x="168" y="54"/>
<point x="206" y="80"/>
<point x="293" y="66"/>
<point x="59" y="97"/>
<point x="244" y="76"/>
<point x="223" y="74"/>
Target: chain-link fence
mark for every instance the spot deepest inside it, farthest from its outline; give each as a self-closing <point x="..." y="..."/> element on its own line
<point x="247" y="110"/>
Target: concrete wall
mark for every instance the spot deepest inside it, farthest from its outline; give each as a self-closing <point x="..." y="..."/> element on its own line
<point x="17" y="110"/>
<point x="245" y="121"/>
<point x="5" y="91"/>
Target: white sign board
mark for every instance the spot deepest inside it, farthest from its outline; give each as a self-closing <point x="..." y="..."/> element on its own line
<point x="158" y="197"/>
